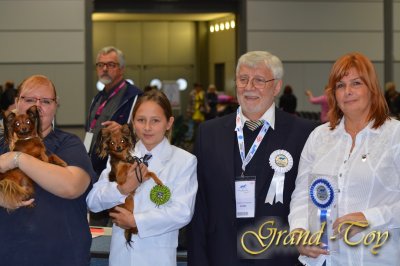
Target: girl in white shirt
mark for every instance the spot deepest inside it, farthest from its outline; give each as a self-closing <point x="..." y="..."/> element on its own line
<point x="158" y="226"/>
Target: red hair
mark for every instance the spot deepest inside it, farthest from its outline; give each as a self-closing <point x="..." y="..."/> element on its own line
<point x="379" y="111"/>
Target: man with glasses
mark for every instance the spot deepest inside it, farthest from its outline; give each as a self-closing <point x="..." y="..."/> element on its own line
<point x="247" y="166"/>
<point x="110" y="108"/>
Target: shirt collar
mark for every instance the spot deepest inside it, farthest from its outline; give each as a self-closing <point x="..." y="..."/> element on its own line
<point x="141" y="149"/>
<point x="368" y="128"/>
<point x="268" y="116"/>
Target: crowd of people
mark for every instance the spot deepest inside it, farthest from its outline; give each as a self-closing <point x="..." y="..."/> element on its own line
<point x="260" y="164"/>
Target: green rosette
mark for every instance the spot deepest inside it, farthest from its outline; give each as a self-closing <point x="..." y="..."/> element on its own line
<point x="160" y="194"/>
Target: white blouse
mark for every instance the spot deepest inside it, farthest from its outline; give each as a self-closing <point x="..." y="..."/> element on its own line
<point x="368" y="181"/>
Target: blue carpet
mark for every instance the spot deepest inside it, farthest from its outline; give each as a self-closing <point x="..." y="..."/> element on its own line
<point x="104" y="262"/>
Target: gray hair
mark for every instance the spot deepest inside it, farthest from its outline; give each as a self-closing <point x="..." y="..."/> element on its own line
<point x="110" y="49"/>
<point x="255" y="58"/>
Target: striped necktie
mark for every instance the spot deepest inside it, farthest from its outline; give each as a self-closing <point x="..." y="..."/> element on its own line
<point x="146" y="159"/>
<point x="253" y="125"/>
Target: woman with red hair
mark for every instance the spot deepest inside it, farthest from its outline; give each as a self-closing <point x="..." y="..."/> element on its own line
<point x="352" y="163"/>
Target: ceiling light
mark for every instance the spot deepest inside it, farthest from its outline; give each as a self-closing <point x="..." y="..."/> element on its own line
<point x="156" y="83"/>
<point x="211" y="28"/>
<point x="182" y="83"/>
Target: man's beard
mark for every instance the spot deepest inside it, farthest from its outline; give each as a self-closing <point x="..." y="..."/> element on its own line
<point x="105" y="80"/>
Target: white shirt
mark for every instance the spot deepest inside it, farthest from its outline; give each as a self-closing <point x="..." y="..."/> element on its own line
<point x="158" y="227"/>
<point x="370" y="185"/>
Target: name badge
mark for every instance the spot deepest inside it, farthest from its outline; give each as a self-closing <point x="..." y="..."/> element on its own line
<point x="245" y="196"/>
<point x="88" y="140"/>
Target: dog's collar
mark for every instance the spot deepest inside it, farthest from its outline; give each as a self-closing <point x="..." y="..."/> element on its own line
<point x="27" y="138"/>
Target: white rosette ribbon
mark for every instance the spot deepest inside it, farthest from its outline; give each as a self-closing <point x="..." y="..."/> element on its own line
<point x="281" y="161"/>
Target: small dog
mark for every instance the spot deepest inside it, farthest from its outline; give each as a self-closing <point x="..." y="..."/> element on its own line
<point x="118" y="145"/>
<point x="23" y="133"/>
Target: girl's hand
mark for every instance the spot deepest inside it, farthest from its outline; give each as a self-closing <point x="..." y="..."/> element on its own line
<point x="134" y="174"/>
<point x="123" y="218"/>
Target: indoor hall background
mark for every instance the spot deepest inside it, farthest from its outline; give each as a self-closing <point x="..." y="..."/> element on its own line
<point x="55" y="39"/>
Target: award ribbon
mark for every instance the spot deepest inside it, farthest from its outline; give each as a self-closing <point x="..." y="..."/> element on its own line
<point x="160" y="194"/>
<point x="322" y="195"/>
<point x="281" y="161"/>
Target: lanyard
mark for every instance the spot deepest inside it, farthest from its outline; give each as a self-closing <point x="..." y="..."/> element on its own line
<point x="240" y="138"/>
<point x="103" y="104"/>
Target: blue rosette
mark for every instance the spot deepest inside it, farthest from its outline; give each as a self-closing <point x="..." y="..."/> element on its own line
<point x="322" y="195"/>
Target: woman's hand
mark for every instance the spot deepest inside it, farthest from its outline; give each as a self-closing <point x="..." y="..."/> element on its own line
<point x="309" y="250"/>
<point x="9" y="161"/>
<point x="123" y="218"/>
<point x="17" y="204"/>
<point x="342" y="223"/>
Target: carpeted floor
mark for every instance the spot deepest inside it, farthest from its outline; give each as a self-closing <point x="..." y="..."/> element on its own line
<point x="104" y="262"/>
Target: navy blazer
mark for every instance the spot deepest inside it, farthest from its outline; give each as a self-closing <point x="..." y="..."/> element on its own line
<point x="212" y="236"/>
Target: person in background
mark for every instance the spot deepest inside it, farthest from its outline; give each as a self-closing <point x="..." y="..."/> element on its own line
<point x="55" y="230"/>
<point x="392" y="98"/>
<point x="321" y="100"/>
<point x="158" y="224"/>
<point x="197" y="103"/>
<point x="238" y="152"/>
<point x="212" y="101"/>
<point x="288" y="101"/>
<point x="359" y="150"/>
<point x="110" y="108"/>
<point x="7" y="103"/>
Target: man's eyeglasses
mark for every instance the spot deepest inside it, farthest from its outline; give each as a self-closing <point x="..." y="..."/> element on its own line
<point x="110" y="65"/>
<point x="257" y="82"/>
<point x="33" y="100"/>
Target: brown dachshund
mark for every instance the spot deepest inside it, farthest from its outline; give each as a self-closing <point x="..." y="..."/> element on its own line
<point x="23" y="134"/>
<point x="118" y="144"/>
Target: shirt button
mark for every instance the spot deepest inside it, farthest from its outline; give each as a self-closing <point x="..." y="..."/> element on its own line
<point x="345" y="161"/>
<point x="340" y="175"/>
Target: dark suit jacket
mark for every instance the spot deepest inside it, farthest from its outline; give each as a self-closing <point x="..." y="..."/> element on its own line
<point x="213" y="231"/>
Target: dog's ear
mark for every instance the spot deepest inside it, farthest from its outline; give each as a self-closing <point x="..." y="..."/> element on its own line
<point x="9" y="125"/>
<point x="127" y="131"/>
<point x="102" y="143"/>
<point x="33" y="113"/>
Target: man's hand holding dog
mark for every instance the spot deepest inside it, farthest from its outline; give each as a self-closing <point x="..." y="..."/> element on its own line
<point x="132" y="181"/>
<point x="111" y="125"/>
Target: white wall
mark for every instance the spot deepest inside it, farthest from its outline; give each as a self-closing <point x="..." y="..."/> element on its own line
<point x="309" y="36"/>
<point x="222" y="49"/>
<point x="46" y="37"/>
